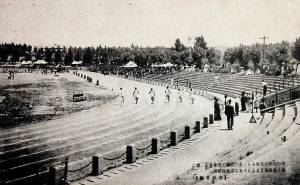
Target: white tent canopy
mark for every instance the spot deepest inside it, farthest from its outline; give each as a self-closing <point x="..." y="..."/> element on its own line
<point x="26" y="62"/>
<point x="130" y="64"/>
<point x="76" y="62"/>
<point x="163" y="65"/>
<point x="167" y="65"/>
<point x="40" y="62"/>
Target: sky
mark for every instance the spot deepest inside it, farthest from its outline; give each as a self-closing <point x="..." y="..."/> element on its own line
<point x="147" y="22"/>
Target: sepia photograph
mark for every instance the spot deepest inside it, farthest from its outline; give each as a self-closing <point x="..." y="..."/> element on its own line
<point x="149" y="92"/>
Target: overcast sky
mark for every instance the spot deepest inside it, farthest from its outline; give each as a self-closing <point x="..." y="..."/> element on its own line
<point x="147" y="22"/>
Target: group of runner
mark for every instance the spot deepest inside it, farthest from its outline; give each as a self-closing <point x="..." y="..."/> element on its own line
<point x="152" y="95"/>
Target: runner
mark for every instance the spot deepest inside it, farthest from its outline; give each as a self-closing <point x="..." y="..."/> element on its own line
<point x="121" y="95"/>
<point x="136" y="95"/>
<point x="152" y="95"/>
<point x="168" y="92"/>
<point x="179" y="95"/>
<point x="192" y="95"/>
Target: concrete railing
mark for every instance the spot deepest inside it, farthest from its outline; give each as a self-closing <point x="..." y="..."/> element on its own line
<point x="103" y="162"/>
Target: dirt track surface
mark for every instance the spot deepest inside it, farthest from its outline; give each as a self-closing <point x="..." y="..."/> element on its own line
<point x="83" y="134"/>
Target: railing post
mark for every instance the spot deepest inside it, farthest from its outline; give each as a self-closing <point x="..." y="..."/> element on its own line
<point x="155" y="142"/>
<point x="187" y="132"/>
<point x="66" y="168"/>
<point x="198" y="127"/>
<point x="211" y="119"/>
<point x="174" y="138"/>
<point x="291" y="98"/>
<point x="130" y="154"/>
<point x="97" y="168"/>
<point x="205" y="122"/>
<point x="276" y="96"/>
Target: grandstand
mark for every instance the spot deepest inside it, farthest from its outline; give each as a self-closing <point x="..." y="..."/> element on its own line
<point x="274" y="139"/>
<point x="231" y="85"/>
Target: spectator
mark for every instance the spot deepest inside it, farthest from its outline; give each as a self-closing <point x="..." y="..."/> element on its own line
<point x="256" y="103"/>
<point x="262" y="106"/>
<point x="236" y="106"/>
<point x="229" y="112"/>
<point x="243" y="101"/>
<point x="217" y="110"/>
<point x="265" y="88"/>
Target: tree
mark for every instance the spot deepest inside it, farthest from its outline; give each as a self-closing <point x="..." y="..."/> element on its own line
<point x="48" y="55"/>
<point x="200" y="43"/>
<point x="296" y="49"/>
<point x="69" y="56"/>
<point x="213" y="56"/>
<point x="282" y="53"/>
<point x="199" y="51"/>
<point x="58" y="56"/>
<point x="255" y="57"/>
<point x="179" y="46"/>
<point x="78" y="54"/>
<point x="87" y="56"/>
<point x="229" y="55"/>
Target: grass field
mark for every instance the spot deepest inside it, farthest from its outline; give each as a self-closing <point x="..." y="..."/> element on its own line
<point x="33" y="97"/>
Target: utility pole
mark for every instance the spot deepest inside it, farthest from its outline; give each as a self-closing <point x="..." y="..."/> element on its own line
<point x="263" y="50"/>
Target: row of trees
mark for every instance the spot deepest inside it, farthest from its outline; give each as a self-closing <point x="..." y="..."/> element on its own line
<point x="246" y="56"/>
<point x="114" y="56"/>
<point x="256" y="55"/>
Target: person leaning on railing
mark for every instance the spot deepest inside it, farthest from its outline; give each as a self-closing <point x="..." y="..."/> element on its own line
<point x="262" y="106"/>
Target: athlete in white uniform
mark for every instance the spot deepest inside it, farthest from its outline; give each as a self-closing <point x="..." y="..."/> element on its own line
<point x="168" y="93"/>
<point x="179" y="95"/>
<point x="136" y="95"/>
<point x="192" y="95"/>
<point x="121" y="95"/>
<point x="152" y="95"/>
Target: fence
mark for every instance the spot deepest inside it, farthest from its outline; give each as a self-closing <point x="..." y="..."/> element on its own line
<point x="272" y="109"/>
<point x="282" y="96"/>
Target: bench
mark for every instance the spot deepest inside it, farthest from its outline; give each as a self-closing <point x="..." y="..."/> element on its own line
<point x="78" y="97"/>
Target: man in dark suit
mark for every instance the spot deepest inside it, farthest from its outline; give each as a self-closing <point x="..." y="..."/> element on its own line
<point x="229" y="112"/>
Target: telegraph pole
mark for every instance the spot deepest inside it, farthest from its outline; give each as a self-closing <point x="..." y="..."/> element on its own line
<point x="263" y="51"/>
